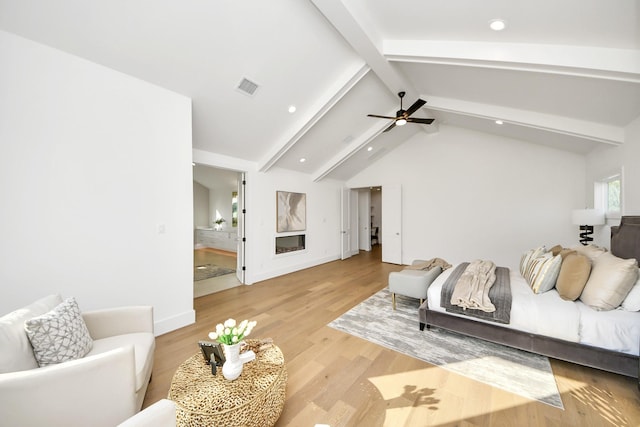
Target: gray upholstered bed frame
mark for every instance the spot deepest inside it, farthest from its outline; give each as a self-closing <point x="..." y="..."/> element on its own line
<point x="625" y="243"/>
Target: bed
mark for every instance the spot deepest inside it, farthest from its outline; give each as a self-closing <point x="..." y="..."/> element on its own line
<point x="546" y="324"/>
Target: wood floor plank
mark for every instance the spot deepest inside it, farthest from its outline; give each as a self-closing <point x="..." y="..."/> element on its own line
<point x="341" y="380"/>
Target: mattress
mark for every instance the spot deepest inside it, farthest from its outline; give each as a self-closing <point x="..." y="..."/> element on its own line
<point x="549" y="315"/>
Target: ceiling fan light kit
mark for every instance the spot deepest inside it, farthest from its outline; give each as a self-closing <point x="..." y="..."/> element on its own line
<point x="404" y="116"/>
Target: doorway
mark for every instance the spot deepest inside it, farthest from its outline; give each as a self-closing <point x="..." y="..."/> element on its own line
<point x="217" y="227"/>
<point x="369" y="222"/>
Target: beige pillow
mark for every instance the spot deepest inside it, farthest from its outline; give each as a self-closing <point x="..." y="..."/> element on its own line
<point x="573" y="276"/>
<point x="590" y="251"/>
<point x="555" y="250"/>
<point x="564" y="252"/>
<point x="610" y="281"/>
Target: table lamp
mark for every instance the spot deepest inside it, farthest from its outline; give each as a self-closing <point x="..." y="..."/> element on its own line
<point x="586" y="219"/>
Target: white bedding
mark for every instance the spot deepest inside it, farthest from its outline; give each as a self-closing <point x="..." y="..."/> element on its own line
<point x="549" y="315"/>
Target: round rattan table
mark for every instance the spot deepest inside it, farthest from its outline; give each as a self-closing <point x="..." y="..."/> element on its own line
<point x="256" y="398"/>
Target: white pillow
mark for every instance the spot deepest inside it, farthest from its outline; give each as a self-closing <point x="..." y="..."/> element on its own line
<point x="632" y="301"/>
<point x="17" y="353"/>
<point x="530" y="255"/>
<point x="542" y="272"/>
<point x="610" y="281"/>
<point x="59" y="335"/>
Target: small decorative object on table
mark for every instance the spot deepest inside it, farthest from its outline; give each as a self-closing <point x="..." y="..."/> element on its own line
<point x="212" y="353"/>
<point x="230" y="336"/>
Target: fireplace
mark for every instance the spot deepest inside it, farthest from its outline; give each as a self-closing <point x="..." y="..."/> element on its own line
<point x="287" y="244"/>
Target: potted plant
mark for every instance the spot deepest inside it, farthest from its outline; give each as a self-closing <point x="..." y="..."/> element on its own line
<point x="219" y="223"/>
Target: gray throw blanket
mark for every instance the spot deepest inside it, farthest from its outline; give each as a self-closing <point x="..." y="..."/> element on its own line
<point x="499" y="294"/>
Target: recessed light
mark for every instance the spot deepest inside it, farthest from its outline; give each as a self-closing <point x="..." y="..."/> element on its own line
<point x="292" y="109"/>
<point x="499" y="122"/>
<point x="497" y="24"/>
<point x="369" y="148"/>
<point x="302" y="160"/>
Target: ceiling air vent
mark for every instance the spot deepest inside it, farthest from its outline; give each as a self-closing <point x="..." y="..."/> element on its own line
<point x="247" y="87"/>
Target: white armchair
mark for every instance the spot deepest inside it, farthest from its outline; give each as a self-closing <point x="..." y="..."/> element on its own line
<point x="103" y="388"/>
<point x="160" y="414"/>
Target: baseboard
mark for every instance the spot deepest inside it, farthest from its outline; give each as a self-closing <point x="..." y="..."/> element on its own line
<point x="174" y="322"/>
<point x="289" y="269"/>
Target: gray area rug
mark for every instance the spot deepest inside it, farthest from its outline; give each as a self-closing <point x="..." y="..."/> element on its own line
<point x="516" y="371"/>
<point x="207" y="271"/>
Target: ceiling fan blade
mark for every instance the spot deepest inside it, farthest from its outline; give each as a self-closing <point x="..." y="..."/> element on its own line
<point x="381" y="117"/>
<point x="416" y="105"/>
<point x="418" y="120"/>
<point x="391" y="126"/>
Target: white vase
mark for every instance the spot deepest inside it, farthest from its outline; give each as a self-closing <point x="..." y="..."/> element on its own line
<point x="232" y="367"/>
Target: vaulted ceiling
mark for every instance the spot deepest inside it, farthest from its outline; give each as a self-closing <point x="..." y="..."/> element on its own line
<point x="564" y="74"/>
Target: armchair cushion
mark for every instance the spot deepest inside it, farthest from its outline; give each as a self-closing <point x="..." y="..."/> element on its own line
<point x="17" y="353"/>
<point x="59" y="335"/>
<point x="144" y="346"/>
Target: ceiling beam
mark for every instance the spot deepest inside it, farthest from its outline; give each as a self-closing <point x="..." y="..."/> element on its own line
<point x="593" y="62"/>
<point x="354" y="146"/>
<point x="322" y="107"/>
<point x="366" y="43"/>
<point x="598" y="132"/>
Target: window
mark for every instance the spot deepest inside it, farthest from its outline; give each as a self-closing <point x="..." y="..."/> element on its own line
<point x="608" y="195"/>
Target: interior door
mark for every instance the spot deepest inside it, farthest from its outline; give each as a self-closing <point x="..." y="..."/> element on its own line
<point x="364" y="220"/>
<point x="345" y="235"/>
<point x="240" y="266"/>
<point x="392" y="224"/>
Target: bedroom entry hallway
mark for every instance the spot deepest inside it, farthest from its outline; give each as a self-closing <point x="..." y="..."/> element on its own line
<point x="219" y="258"/>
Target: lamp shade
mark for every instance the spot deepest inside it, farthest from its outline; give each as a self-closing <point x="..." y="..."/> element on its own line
<point x="587" y="217"/>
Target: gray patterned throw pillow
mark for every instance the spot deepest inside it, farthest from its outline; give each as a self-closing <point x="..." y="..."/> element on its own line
<point x="59" y="335"/>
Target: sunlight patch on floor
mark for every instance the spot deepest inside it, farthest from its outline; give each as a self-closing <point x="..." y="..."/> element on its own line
<point x="593" y="397"/>
<point x="421" y="394"/>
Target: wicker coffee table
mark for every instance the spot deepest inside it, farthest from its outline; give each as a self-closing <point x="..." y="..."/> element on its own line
<point x="256" y="398"/>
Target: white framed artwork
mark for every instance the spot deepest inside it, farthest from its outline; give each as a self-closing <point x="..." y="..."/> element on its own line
<point x="291" y="211"/>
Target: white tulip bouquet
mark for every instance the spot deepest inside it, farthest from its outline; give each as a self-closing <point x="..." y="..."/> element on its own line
<point x="229" y="333"/>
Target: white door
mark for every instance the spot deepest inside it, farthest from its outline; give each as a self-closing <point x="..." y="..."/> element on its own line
<point x="240" y="211"/>
<point x="392" y="224"/>
<point x="345" y="235"/>
<point x="364" y="220"/>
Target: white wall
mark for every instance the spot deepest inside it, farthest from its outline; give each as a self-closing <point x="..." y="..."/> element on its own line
<point x="93" y="164"/>
<point x="220" y="202"/>
<point x="468" y="195"/>
<point x="607" y="159"/>
<point x="201" y="217"/>
<point x="323" y="217"/>
<point x="323" y="222"/>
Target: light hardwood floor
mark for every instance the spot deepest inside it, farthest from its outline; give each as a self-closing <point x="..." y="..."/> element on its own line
<point x="215" y="284"/>
<point x="341" y="380"/>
